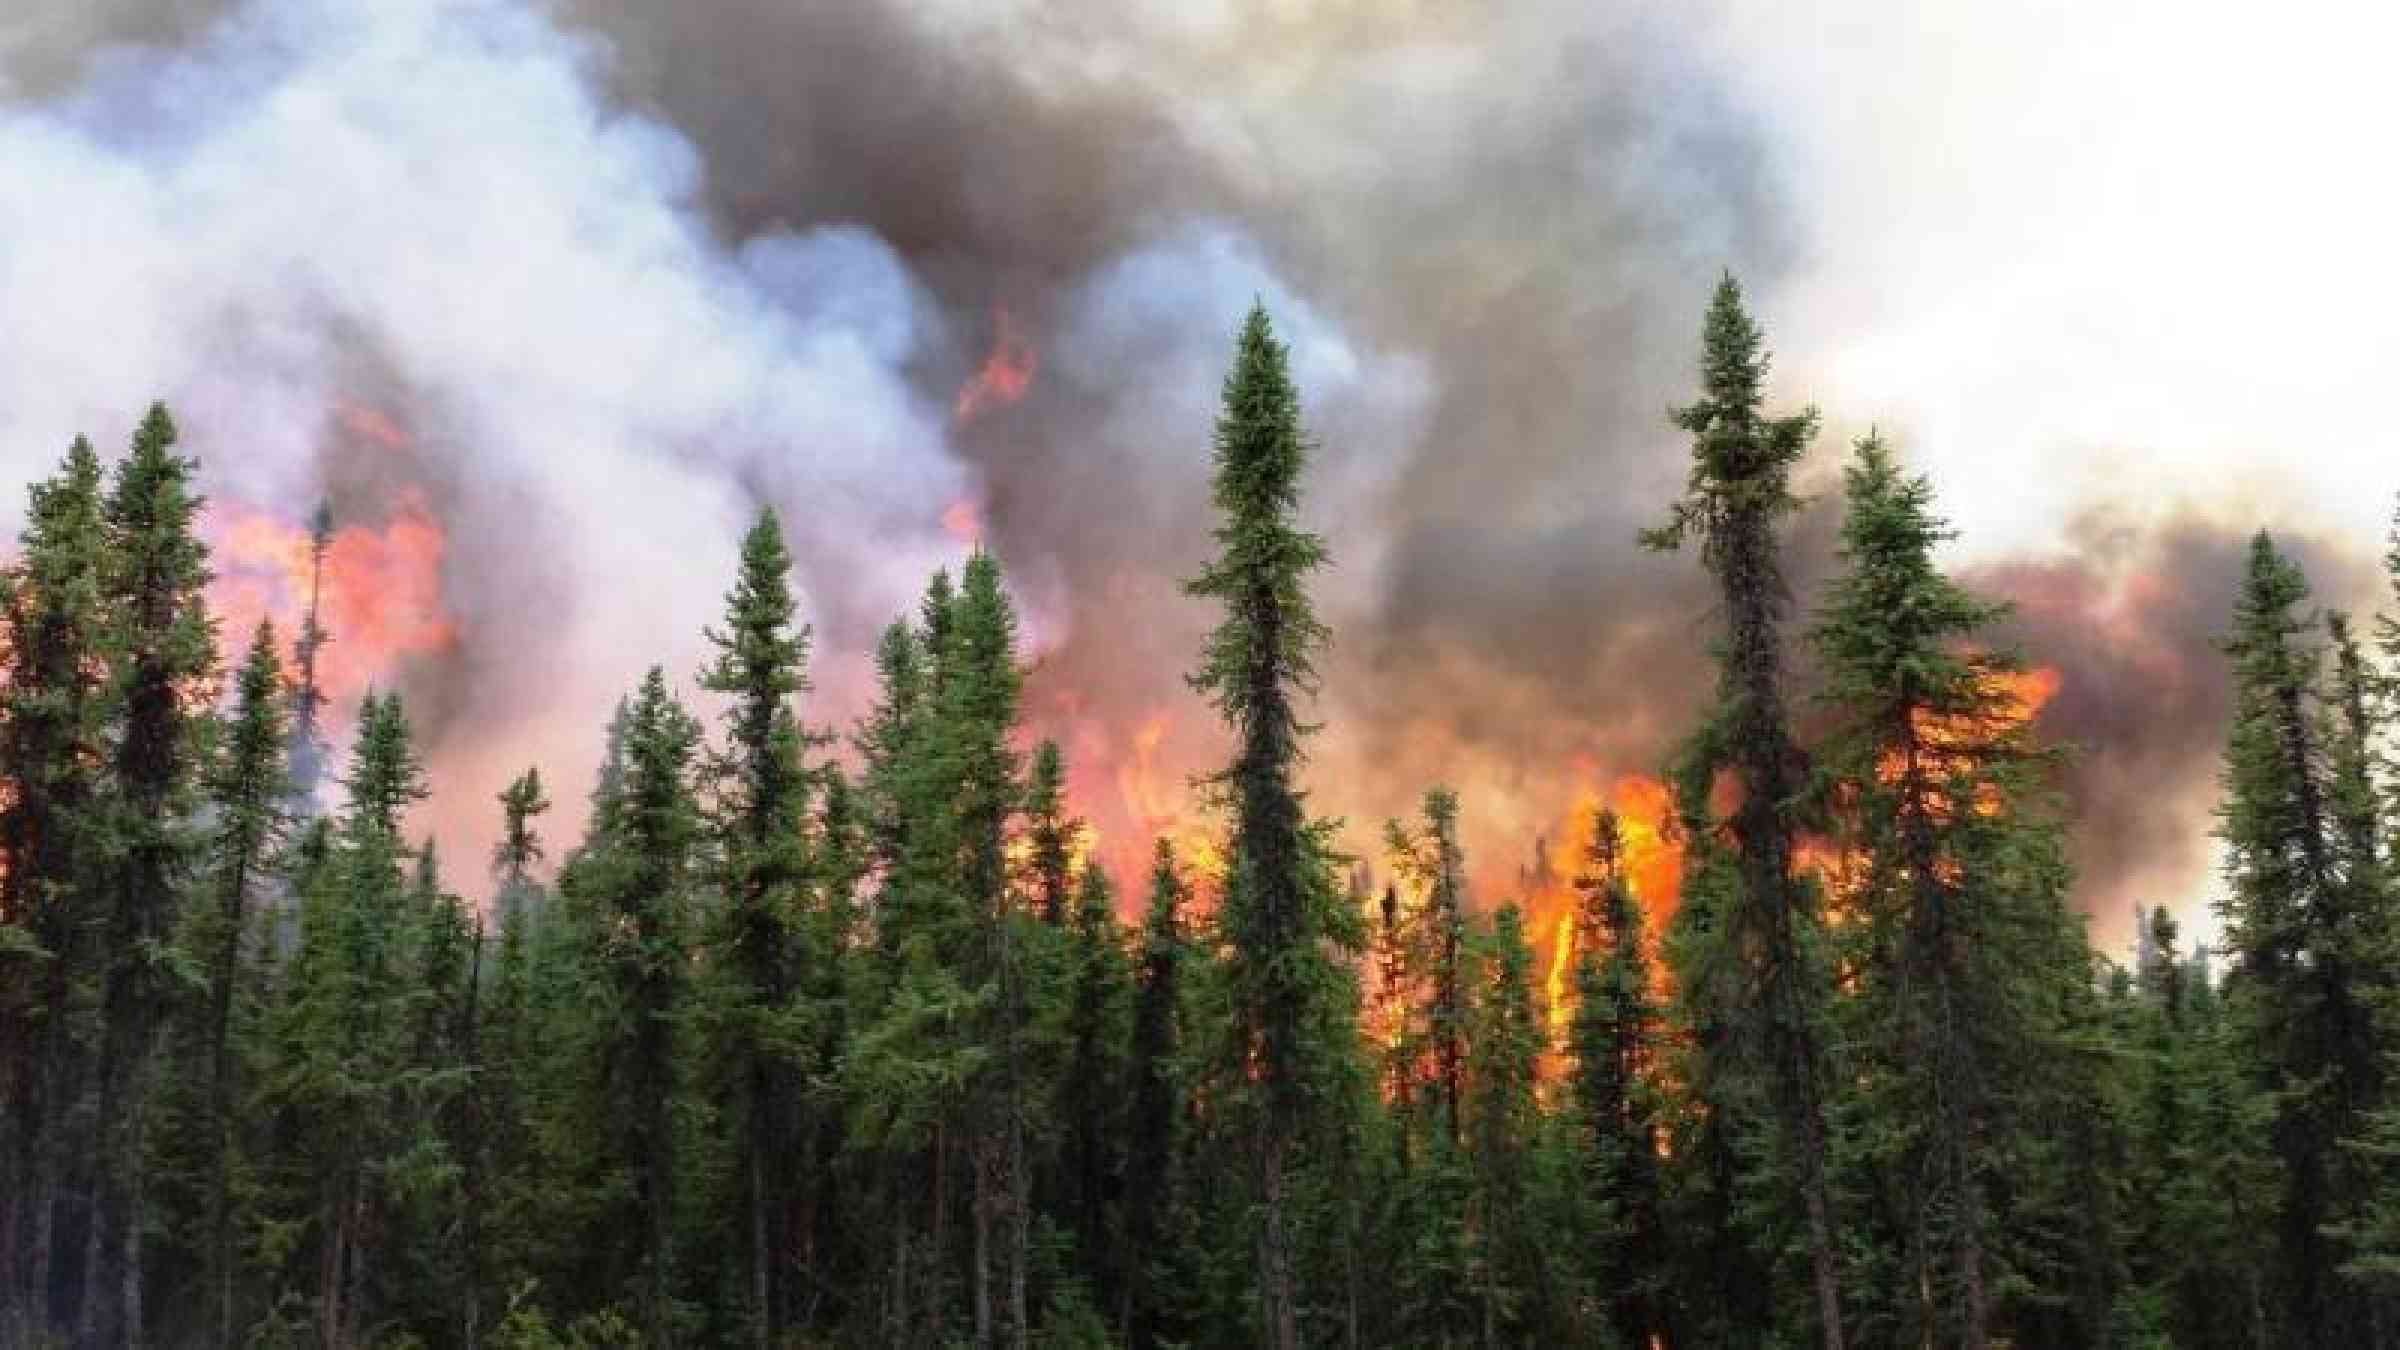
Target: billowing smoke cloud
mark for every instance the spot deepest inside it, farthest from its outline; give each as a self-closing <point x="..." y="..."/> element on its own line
<point x="620" y="270"/>
<point x="427" y="211"/>
<point x="2132" y="619"/>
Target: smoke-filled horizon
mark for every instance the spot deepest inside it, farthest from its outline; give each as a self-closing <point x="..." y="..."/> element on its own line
<point x="547" y="298"/>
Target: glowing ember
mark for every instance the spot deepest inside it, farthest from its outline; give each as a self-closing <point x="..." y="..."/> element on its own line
<point x="1005" y="375"/>
<point x="381" y="599"/>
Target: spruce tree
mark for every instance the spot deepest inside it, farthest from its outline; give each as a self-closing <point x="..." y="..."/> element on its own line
<point x="246" y="790"/>
<point x="53" y="708"/>
<point x="1612" y="1042"/>
<point x="520" y="847"/>
<point x="1154" y="1137"/>
<point x="2289" y="917"/>
<point x="1503" y="1120"/>
<point x="1432" y="861"/>
<point x="1937" y="783"/>
<point x="1092" y="1094"/>
<point x="635" y="878"/>
<point x="161" y="652"/>
<point x="1281" y="904"/>
<point x="761" y="665"/>
<point x="1049" y="832"/>
<point x="1737" y="493"/>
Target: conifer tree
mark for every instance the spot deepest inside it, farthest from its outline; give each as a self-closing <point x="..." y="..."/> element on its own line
<point x="307" y="751"/>
<point x="761" y="664"/>
<point x="161" y="652"/>
<point x="1936" y="778"/>
<point x="1613" y="1039"/>
<point x="520" y="847"/>
<point x="1432" y="861"/>
<point x="2289" y="917"/>
<point x="635" y="878"/>
<point x="1506" y="1050"/>
<point x="979" y="684"/>
<point x="1738" y="491"/>
<point x="1049" y="832"/>
<point x="1281" y="904"/>
<point x="1092" y="1097"/>
<point x="246" y="789"/>
<point x="1154" y="1135"/>
<point x="53" y="706"/>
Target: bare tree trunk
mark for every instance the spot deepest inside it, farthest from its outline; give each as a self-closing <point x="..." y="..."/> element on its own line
<point x="982" y="1211"/>
<point x="1280" y="1323"/>
<point x="761" y="1317"/>
<point x="329" y="1269"/>
<point x="136" y="1216"/>
<point x="1976" y="1334"/>
<point x="95" y="1245"/>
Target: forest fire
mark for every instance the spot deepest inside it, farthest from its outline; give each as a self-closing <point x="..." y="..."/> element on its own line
<point x="1161" y="807"/>
<point x="1005" y="374"/>
<point x="380" y="596"/>
<point x="1653" y="864"/>
<point x="1654" y="859"/>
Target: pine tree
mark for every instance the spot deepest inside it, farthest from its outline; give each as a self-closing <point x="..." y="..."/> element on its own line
<point x="1092" y="1093"/>
<point x="1613" y="1040"/>
<point x="1738" y="491"/>
<point x="306" y="752"/>
<point x="761" y="663"/>
<point x="1050" y="832"/>
<point x="635" y="878"/>
<point x="1281" y="904"/>
<point x="1433" y="863"/>
<point x="1154" y="1135"/>
<point x="53" y="706"/>
<point x="1962" y="956"/>
<point x="161" y="652"/>
<point x="979" y="683"/>
<point x="2290" y="917"/>
<point x="520" y="848"/>
<point x="246" y="789"/>
<point x="1506" y="1051"/>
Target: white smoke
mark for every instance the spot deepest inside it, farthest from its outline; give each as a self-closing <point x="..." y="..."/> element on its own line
<point x="429" y="206"/>
<point x="432" y="191"/>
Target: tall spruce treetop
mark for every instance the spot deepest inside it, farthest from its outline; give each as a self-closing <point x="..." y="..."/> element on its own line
<point x="1256" y="665"/>
<point x="157" y="573"/>
<point x="1281" y="901"/>
<point x="386" y="777"/>
<point x="761" y="663"/>
<point x="520" y="846"/>
<point x="1050" y="832"/>
<point x="2273" y="820"/>
<point x="50" y="736"/>
<point x="1739" y="488"/>
<point x="1929" y="762"/>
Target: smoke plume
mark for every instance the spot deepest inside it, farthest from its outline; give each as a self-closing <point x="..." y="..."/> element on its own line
<point x="585" y="283"/>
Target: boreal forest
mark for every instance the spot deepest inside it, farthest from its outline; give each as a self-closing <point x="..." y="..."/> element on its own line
<point x="806" y="1034"/>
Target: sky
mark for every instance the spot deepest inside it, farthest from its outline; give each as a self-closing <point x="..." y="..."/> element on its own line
<point x="548" y="297"/>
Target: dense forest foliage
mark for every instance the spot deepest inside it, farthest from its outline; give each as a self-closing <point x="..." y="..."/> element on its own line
<point x="822" y="1037"/>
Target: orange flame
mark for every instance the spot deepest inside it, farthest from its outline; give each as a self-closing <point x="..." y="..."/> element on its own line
<point x="1005" y="374"/>
<point x="381" y="598"/>
<point x="1161" y="809"/>
<point x="1653" y="872"/>
<point x="963" y="522"/>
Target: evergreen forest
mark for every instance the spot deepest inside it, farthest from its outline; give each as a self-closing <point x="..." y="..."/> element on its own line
<point x="838" y="1035"/>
